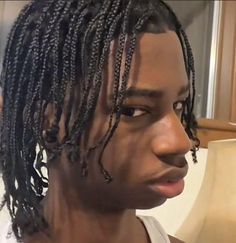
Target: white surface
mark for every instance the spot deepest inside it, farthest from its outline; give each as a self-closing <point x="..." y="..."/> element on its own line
<point x="3" y="214"/>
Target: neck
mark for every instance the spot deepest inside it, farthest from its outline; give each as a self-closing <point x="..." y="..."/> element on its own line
<point x="68" y="224"/>
<point x="73" y="221"/>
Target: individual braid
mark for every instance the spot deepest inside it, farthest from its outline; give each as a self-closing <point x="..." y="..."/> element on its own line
<point x="121" y="93"/>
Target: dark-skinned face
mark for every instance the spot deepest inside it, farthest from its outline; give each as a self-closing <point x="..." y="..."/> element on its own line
<point x="145" y="156"/>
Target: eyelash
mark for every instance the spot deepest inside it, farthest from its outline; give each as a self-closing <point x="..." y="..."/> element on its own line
<point x="140" y="111"/>
<point x="130" y="111"/>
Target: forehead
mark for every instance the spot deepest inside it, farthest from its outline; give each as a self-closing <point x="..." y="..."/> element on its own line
<point x="158" y="62"/>
<point x="158" y="59"/>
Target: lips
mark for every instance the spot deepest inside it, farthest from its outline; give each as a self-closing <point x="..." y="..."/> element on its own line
<point x="169" y="183"/>
<point x="168" y="189"/>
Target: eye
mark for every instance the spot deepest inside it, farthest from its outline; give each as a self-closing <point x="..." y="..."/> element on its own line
<point x="179" y="107"/>
<point x="133" y="112"/>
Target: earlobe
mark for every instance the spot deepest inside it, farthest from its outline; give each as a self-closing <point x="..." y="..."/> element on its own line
<point x="51" y="128"/>
<point x="49" y="116"/>
<point x="50" y="135"/>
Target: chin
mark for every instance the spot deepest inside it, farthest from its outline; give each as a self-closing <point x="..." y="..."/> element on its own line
<point x="151" y="204"/>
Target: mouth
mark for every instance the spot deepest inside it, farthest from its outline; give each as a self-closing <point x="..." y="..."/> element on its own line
<point x="168" y="189"/>
<point x="169" y="184"/>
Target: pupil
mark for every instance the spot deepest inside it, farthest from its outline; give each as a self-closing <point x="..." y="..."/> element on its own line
<point x="128" y="111"/>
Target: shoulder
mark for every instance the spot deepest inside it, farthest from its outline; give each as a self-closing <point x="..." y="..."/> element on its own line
<point x="174" y="240"/>
<point x="154" y="229"/>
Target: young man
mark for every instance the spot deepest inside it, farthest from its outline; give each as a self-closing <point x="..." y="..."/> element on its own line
<point x="106" y="89"/>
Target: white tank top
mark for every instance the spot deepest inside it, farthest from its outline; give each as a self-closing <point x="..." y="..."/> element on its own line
<point x="154" y="229"/>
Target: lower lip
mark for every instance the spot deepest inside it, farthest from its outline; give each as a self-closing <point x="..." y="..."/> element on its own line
<point x="168" y="189"/>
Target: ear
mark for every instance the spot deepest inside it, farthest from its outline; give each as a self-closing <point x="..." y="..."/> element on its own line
<point x="49" y="116"/>
<point x="50" y="127"/>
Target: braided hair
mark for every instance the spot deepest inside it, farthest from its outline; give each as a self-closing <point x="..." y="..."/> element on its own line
<point x="55" y="47"/>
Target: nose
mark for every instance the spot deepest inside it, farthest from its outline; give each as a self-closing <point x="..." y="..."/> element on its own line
<point x="169" y="138"/>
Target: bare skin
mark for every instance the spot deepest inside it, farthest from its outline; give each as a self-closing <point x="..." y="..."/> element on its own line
<point x="149" y="144"/>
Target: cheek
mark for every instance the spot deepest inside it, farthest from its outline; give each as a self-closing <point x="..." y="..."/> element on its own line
<point x="125" y="155"/>
<point x="129" y="161"/>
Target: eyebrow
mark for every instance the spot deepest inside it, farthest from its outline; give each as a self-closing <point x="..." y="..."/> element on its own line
<point x="148" y="93"/>
<point x="134" y="92"/>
